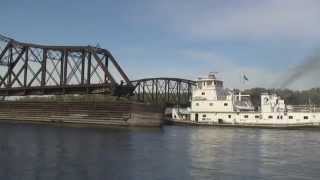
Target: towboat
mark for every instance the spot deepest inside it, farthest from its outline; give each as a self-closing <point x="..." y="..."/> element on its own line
<point x="212" y="104"/>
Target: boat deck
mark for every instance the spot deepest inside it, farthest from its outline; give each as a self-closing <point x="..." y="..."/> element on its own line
<point x="243" y="125"/>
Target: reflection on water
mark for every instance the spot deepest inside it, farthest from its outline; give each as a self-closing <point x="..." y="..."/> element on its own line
<point x="40" y="152"/>
<point x="225" y="153"/>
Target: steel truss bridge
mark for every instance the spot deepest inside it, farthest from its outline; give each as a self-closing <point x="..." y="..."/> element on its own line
<point x="33" y="69"/>
<point x="164" y="91"/>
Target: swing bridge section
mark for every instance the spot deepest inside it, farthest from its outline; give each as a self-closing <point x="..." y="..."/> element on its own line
<point x="33" y="69"/>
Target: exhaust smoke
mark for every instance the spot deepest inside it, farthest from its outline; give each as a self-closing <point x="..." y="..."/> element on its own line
<point x="311" y="64"/>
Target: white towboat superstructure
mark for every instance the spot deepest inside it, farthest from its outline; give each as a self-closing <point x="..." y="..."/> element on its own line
<point x="212" y="104"/>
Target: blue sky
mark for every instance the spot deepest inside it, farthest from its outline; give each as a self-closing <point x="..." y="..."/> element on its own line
<point x="179" y="38"/>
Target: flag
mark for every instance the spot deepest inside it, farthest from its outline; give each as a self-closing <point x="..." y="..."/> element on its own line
<point x="245" y="78"/>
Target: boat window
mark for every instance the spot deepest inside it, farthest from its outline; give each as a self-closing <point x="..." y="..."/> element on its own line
<point x="225" y="104"/>
<point x="257" y="116"/>
<point x="211" y="104"/>
<point x="229" y="116"/>
<point x="209" y="83"/>
<point x="270" y="117"/>
<point x="203" y="93"/>
<point x="219" y="83"/>
<point x="290" y="117"/>
<point x="204" y="115"/>
<point x="246" y="116"/>
<point x="305" y="117"/>
<point x="197" y="104"/>
<point x="200" y="85"/>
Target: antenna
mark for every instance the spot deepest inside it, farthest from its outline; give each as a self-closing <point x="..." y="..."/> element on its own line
<point x="213" y="72"/>
<point x="213" y="75"/>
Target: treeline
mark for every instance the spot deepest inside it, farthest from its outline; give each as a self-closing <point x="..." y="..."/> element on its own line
<point x="291" y="97"/>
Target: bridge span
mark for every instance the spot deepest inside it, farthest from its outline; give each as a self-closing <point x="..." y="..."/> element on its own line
<point x="164" y="91"/>
<point x="33" y="69"/>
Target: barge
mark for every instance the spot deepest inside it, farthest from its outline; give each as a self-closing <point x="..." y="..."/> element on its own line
<point x="82" y="113"/>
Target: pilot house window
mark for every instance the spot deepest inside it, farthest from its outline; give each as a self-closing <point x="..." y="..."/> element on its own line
<point x="290" y="117"/>
<point x="246" y="116"/>
<point x="305" y="117"/>
<point x="225" y="104"/>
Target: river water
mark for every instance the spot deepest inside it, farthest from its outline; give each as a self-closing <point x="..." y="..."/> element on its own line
<point x="32" y="152"/>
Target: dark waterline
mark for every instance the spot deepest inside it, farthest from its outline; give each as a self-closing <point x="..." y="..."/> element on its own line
<point x="32" y="152"/>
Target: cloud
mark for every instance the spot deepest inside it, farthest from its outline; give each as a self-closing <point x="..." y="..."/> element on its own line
<point x="204" y="62"/>
<point x="230" y="72"/>
<point x="263" y="25"/>
<point x="255" y="20"/>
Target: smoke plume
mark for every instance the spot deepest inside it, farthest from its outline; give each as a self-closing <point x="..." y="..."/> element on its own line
<point x="310" y="65"/>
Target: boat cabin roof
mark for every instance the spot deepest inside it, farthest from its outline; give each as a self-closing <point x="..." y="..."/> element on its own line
<point x="209" y="82"/>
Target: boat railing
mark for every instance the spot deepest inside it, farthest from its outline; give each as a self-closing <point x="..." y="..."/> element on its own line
<point x="303" y="108"/>
<point x="221" y="98"/>
<point x="199" y="98"/>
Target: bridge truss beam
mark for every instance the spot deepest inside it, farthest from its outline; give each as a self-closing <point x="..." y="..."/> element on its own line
<point x="164" y="91"/>
<point x="32" y="69"/>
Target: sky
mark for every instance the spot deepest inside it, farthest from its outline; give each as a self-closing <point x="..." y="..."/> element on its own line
<point x="265" y="39"/>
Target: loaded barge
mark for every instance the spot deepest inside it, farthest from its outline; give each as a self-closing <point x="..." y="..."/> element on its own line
<point x="82" y="113"/>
